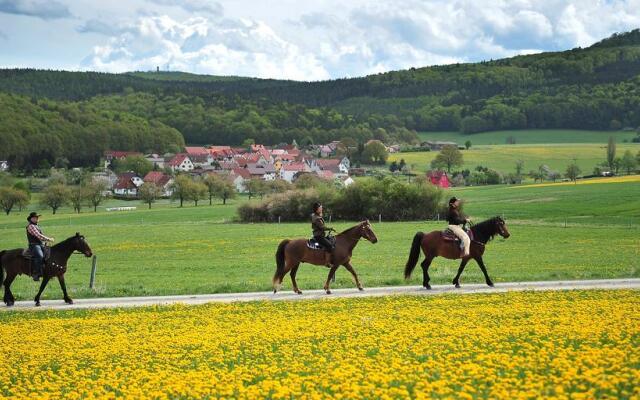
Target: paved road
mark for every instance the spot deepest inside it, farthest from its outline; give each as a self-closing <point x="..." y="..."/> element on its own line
<point x="319" y="294"/>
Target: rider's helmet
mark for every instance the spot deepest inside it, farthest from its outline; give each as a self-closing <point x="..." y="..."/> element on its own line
<point x="453" y="200"/>
<point x="316" y="205"/>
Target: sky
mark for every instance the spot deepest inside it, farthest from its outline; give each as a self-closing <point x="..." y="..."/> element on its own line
<point x="300" y="40"/>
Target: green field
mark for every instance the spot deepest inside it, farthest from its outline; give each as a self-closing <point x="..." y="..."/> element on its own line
<point x="503" y="158"/>
<point x="530" y="136"/>
<point x="169" y="250"/>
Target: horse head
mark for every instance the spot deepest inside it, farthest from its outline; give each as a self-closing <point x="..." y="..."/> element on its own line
<point x="366" y="231"/>
<point x="501" y="227"/>
<point x="80" y="244"/>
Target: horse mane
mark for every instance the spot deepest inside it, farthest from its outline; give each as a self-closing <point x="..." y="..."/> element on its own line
<point x="350" y="229"/>
<point x="63" y="244"/>
<point x="485" y="231"/>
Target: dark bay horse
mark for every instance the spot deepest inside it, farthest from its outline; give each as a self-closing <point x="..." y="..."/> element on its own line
<point x="14" y="263"/>
<point x="433" y="245"/>
<point x="291" y="253"/>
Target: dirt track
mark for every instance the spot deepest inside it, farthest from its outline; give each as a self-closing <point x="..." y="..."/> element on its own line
<point x="319" y="294"/>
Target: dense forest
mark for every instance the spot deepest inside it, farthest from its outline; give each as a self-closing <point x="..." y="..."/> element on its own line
<point x="76" y="115"/>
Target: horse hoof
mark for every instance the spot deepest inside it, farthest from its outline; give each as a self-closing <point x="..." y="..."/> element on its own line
<point x="37" y="304"/>
<point x="299" y="292"/>
<point x="490" y="284"/>
<point x="328" y="291"/>
<point x="361" y="289"/>
<point x="68" y="301"/>
<point x="10" y="304"/>
<point x="427" y="286"/>
<point x="457" y="286"/>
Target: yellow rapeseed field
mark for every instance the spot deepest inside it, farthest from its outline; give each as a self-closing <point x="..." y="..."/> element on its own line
<point x="568" y="345"/>
<point x="616" y="179"/>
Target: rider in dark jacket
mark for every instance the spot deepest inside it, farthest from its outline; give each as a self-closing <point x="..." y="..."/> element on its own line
<point x="37" y="242"/>
<point x="319" y="228"/>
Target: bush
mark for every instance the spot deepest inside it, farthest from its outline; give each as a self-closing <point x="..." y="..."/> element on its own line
<point x="394" y="200"/>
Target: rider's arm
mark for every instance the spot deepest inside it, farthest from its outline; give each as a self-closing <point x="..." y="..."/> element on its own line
<point x="34" y="231"/>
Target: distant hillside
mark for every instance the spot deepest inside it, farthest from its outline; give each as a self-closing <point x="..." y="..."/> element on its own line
<point x="596" y="88"/>
<point x="186" y="76"/>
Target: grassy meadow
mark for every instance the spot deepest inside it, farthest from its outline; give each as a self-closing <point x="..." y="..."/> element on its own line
<point x="530" y="136"/>
<point x="502" y="158"/>
<point x="558" y="232"/>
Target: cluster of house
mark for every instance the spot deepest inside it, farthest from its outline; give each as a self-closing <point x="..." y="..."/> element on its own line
<point x="4" y="165"/>
<point x="239" y="165"/>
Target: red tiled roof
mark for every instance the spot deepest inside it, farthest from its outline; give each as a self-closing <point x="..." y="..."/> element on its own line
<point x="177" y="160"/>
<point x="244" y="173"/>
<point x="294" y="167"/>
<point x="157" y="177"/>
<point x="195" y="150"/>
<point x="124" y="182"/>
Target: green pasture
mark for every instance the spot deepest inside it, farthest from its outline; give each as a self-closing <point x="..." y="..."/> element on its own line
<point x="172" y="250"/>
<point x="530" y="136"/>
<point x="503" y="158"/>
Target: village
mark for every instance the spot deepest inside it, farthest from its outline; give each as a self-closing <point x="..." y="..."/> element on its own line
<point x="237" y="164"/>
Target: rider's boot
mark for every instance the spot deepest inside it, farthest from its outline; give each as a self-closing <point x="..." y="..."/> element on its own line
<point x="36" y="269"/>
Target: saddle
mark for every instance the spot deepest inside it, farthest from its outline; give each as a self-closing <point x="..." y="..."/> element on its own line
<point x="26" y="253"/>
<point x="449" y="236"/>
<point x="314" y="245"/>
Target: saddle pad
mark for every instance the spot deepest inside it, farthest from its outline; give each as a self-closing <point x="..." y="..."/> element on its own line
<point x="313" y="245"/>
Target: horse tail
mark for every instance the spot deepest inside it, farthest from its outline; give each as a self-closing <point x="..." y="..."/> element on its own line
<point x="280" y="262"/>
<point x="414" y="254"/>
<point x="1" y="269"/>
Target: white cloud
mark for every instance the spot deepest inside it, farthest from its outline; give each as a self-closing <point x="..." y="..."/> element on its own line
<point x="236" y="48"/>
<point x="343" y="39"/>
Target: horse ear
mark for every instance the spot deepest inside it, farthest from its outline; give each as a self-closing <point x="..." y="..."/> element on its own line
<point x="77" y="234"/>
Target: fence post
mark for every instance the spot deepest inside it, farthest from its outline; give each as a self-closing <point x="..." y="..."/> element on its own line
<point x="278" y="219"/>
<point x="329" y="218"/>
<point x="94" y="265"/>
<point x="379" y="218"/>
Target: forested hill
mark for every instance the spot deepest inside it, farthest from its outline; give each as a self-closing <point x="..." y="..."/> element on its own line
<point x="592" y="88"/>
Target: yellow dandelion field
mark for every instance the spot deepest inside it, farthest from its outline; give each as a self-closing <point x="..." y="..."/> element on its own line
<point x="616" y="179"/>
<point x="566" y="345"/>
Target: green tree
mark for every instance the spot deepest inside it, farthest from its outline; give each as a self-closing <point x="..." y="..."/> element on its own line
<point x="573" y="171"/>
<point x="96" y="190"/>
<point x="374" y="153"/>
<point x="11" y="197"/>
<point x="220" y="187"/>
<point x="611" y="152"/>
<point x="467" y="144"/>
<point x="255" y="187"/>
<point x="519" y="167"/>
<point x="149" y="192"/>
<point x="55" y="196"/>
<point x="77" y="197"/>
<point x="448" y="158"/>
<point x="628" y="162"/>
<point x="181" y="188"/>
<point x="197" y="192"/>
<point x="138" y="164"/>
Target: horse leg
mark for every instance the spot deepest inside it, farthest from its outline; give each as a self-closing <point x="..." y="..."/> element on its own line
<point x="349" y="268"/>
<point x="484" y="271"/>
<point x="332" y="273"/>
<point x="9" y="300"/>
<point x="293" y="273"/>
<point x="456" y="280"/>
<point x="45" y="280"/>
<point x="63" y="286"/>
<point x="425" y="272"/>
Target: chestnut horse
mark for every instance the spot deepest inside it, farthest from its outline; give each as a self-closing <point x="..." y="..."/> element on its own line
<point x="14" y="263"/>
<point x="291" y="253"/>
<point x="433" y="245"/>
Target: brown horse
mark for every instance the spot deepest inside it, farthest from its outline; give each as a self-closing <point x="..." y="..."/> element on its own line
<point x="434" y="244"/>
<point x="291" y="253"/>
<point x="14" y="263"/>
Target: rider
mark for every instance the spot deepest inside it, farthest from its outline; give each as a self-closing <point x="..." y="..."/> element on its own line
<point x="37" y="241"/>
<point x="319" y="229"/>
<point x="457" y="220"/>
